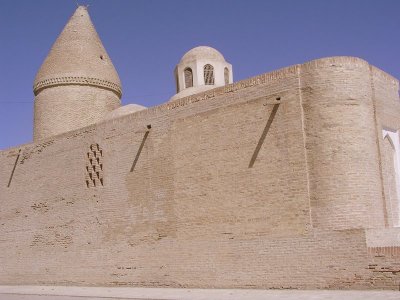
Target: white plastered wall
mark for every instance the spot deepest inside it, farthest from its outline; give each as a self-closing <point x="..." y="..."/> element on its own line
<point x="198" y="73"/>
<point x="393" y="135"/>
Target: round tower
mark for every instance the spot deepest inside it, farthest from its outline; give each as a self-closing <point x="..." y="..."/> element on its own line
<point x="200" y="69"/>
<point x="341" y="144"/>
<point x="77" y="84"/>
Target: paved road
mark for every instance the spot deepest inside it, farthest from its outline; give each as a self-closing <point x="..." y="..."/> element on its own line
<point x="104" y="293"/>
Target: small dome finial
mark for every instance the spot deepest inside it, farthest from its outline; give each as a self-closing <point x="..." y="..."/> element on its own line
<point x="83" y="6"/>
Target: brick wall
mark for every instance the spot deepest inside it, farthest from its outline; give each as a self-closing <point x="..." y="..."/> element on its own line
<point x="204" y="205"/>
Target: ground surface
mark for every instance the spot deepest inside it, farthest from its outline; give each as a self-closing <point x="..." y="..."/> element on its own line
<point x="104" y="293"/>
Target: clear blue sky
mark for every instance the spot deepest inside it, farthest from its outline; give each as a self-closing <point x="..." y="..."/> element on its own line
<point x="146" y="38"/>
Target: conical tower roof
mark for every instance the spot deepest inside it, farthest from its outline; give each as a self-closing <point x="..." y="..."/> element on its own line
<point x="78" y="57"/>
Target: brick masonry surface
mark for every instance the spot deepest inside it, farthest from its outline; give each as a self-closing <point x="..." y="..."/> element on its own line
<point x="271" y="182"/>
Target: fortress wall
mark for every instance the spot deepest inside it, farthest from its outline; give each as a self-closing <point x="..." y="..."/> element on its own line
<point x="8" y="159"/>
<point x="192" y="213"/>
<point x="191" y="185"/>
<point x="345" y="184"/>
<point x="63" y="108"/>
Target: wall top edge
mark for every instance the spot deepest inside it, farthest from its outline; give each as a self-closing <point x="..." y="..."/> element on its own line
<point x="265" y="78"/>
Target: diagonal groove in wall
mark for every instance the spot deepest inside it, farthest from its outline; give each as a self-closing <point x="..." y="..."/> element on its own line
<point x="263" y="135"/>
<point x="139" y="151"/>
<point x="13" y="170"/>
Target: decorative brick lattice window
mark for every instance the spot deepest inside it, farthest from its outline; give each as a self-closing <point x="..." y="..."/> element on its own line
<point x="94" y="166"/>
<point x="208" y="74"/>
<point x="226" y="75"/>
<point x="188" y="77"/>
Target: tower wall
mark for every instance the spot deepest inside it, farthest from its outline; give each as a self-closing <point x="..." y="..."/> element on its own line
<point x="77" y="84"/>
<point x="341" y="144"/>
<point x="60" y="109"/>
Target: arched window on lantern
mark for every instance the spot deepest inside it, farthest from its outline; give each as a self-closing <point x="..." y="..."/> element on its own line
<point x="226" y="76"/>
<point x="188" y="77"/>
<point x="208" y="74"/>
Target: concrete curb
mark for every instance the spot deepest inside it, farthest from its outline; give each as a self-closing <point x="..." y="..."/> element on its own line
<point x="76" y="293"/>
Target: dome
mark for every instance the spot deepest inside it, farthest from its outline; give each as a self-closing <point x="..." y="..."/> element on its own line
<point x="200" y="69"/>
<point x="189" y="91"/>
<point x="124" y="110"/>
<point x="78" y="57"/>
<point x="202" y="53"/>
